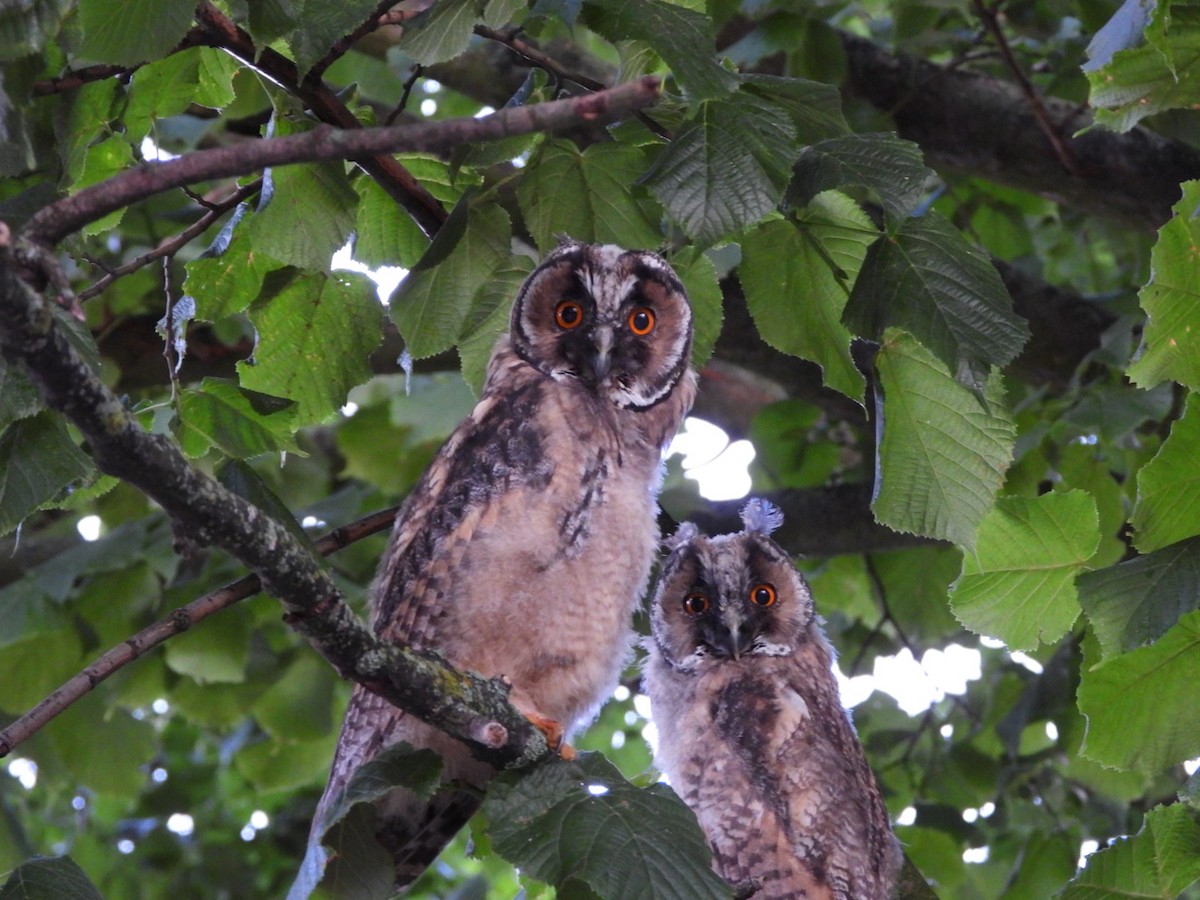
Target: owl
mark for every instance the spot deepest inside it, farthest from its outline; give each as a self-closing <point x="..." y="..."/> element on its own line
<point x="752" y="733"/>
<point x="525" y="546"/>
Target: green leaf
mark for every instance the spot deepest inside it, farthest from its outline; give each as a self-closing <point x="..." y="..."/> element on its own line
<point x="699" y="277"/>
<point x="1140" y="600"/>
<point x="160" y="89"/>
<point x="814" y="107"/>
<point x="682" y="37"/>
<point x="1168" y="497"/>
<point x="1171" y="340"/>
<point x="286" y="765"/>
<point x="400" y="765"/>
<point x="586" y="194"/>
<point x="944" y="452"/>
<point x="101" y="162"/>
<point x="1159" y="74"/>
<point x="892" y="168"/>
<point x="431" y="305"/>
<point x="310" y="215"/>
<point x="217" y="71"/>
<point x="1161" y="860"/>
<point x="227" y="282"/>
<point x="319" y="25"/>
<point x="1141" y="707"/>
<point x="49" y="878"/>
<point x="726" y="168"/>
<point x="38" y="460"/>
<point x="298" y="707"/>
<point x="103" y="749"/>
<point x="215" y="650"/>
<point x="128" y="32"/>
<point x="624" y="843"/>
<point x="240" y="423"/>
<point x="1018" y="584"/>
<point x="34" y="666"/>
<point x="796" y="276"/>
<point x="441" y="32"/>
<point x="488" y="318"/>
<point x="19" y="398"/>
<point x="314" y="340"/>
<point x="929" y="281"/>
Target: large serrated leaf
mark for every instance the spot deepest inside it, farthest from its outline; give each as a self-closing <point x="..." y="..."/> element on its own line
<point x="889" y="166"/>
<point x="726" y="168"/>
<point x="160" y="89"/>
<point x="1168" y="495"/>
<point x="441" y="32"/>
<point x="238" y="422"/>
<point x="814" y="107"/>
<point x="310" y="215"/>
<point x="1171" y="340"/>
<point x="227" y="282"/>
<point x="38" y="460"/>
<point x="128" y="32"/>
<point x="1018" y="583"/>
<point x="944" y="451"/>
<point x="1140" y="600"/>
<point x="625" y="843"/>
<point x="431" y="305"/>
<point x="682" y="37"/>
<point x="1161" y="73"/>
<point x="320" y="24"/>
<point x="314" y="340"/>
<point x="1161" y="860"/>
<point x="929" y="281"/>
<point x="796" y="275"/>
<point x="1141" y="706"/>
<point x="49" y="878"/>
<point x="587" y="195"/>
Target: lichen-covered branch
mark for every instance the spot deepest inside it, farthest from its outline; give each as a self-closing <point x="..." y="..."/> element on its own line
<point x="456" y="702"/>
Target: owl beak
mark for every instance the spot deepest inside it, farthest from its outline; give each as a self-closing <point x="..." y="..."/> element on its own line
<point x="600" y="361"/>
<point x="730" y="639"/>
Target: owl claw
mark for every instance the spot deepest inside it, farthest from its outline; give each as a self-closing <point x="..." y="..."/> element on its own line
<point x="552" y="730"/>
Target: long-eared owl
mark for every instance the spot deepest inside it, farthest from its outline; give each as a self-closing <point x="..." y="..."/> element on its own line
<point x="752" y="733"/>
<point x="525" y="546"/>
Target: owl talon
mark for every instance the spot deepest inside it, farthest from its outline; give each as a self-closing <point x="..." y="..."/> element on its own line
<point x="552" y="730"/>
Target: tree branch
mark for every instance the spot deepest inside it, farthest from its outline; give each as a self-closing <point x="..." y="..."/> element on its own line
<point x="54" y="222"/>
<point x="176" y="622"/>
<point x="459" y="703"/>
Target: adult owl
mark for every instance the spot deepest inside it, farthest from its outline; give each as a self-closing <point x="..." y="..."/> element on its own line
<point x="525" y="546"/>
<point x="752" y="733"/>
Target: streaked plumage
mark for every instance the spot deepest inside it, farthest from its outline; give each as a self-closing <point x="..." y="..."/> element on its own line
<point x="527" y="543"/>
<point x="752" y="733"/>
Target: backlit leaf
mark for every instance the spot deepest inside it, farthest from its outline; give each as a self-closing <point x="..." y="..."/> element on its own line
<point x="128" y="32"/>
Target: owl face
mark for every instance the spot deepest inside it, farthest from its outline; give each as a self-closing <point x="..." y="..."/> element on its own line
<point x="729" y="597"/>
<point x="616" y="322"/>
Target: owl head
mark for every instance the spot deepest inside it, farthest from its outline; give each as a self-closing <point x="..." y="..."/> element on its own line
<point x="616" y="322"/>
<point x="730" y="597"/>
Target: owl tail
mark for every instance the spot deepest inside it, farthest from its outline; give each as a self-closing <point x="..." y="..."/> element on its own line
<point x="413" y="851"/>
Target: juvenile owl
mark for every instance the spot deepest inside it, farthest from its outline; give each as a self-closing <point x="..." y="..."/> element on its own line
<point x="752" y="733"/>
<point x="525" y="546"/>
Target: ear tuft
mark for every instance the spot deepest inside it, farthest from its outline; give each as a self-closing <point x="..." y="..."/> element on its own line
<point x="684" y="534"/>
<point x="761" y="516"/>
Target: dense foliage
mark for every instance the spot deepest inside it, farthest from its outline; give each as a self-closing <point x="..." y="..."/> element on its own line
<point x="928" y="288"/>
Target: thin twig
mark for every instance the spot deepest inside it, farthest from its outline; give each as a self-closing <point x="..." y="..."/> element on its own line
<point x="174" y="623"/>
<point x="76" y="79"/>
<point x="537" y="58"/>
<point x="405" y="94"/>
<point x="991" y="21"/>
<point x="172" y="245"/>
<point x="54" y="222"/>
<point x="383" y="14"/>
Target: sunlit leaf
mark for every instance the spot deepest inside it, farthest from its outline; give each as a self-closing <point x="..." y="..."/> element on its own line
<point x="944" y="452"/>
<point x="314" y="340"/>
<point x="1161" y="860"/>
<point x="797" y="278"/>
<point x="1018" y="583"/>
<point x="1128" y="730"/>
<point x="1171" y="341"/>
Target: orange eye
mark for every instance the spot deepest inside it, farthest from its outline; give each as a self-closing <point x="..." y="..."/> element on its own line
<point x="695" y="604"/>
<point x="641" y="321"/>
<point x="568" y="314"/>
<point x="763" y="595"/>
